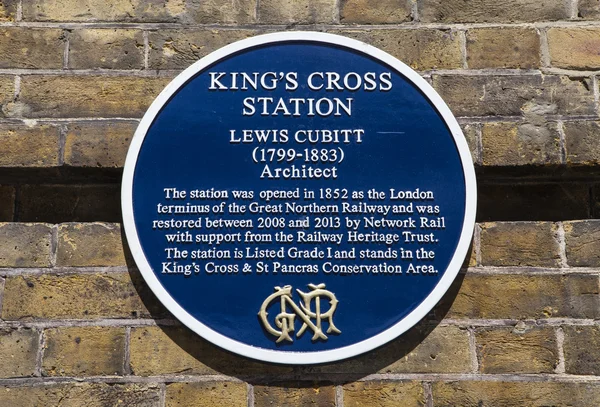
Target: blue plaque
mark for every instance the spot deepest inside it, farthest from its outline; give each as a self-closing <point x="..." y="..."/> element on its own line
<point x="299" y="197"/>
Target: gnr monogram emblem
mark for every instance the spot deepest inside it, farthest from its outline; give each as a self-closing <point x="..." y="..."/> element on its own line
<point x="285" y="319"/>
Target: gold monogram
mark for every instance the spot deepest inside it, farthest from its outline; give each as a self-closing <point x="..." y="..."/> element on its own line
<point x="285" y="320"/>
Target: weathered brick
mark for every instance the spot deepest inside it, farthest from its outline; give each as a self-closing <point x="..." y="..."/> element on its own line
<point x="80" y="296"/>
<point x="81" y="394"/>
<point x="221" y="11"/>
<point x="90" y="244"/>
<point x="100" y="10"/>
<point x="420" y="49"/>
<point x="84" y="351"/>
<point x="384" y="394"/>
<point x="24" y="146"/>
<point x="8" y="10"/>
<point x="106" y="48"/>
<point x="25" y="245"/>
<point x="471" y="135"/>
<point x="483" y="11"/>
<point x="7" y="203"/>
<point x="519" y="244"/>
<point x="553" y="201"/>
<point x="526" y="296"/>
<point x="297" y="11"/>
<point x="299" y="394"/>
<point x="443" y="350"/>
<point x="382" y="12"/>
<point x="153" y="351"/>
<point x="582" y="142"/>
<point x="503" y="48"/>
<point x="515" y="394"/>
<point x="581" y="346"/>
<point x="583" y="243"/>
<point x="589" y="9"/>
<point x="574" y="48"/>
<point x="515" y="95"/>
<point x="207" y="394"/>
<point x="35" y="48"/>
<point x="98" y="144"/>
<point x="176" y="349"/>
<point x="177" y="49"/>
<point x="86" y="96"/>
<point x="61" y="203"/>
<point x="18" y="352"/>
<point x="512" y="144"/>
<point x="522" y="349"/>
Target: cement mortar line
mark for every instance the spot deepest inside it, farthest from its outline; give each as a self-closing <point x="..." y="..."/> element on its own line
<point x="46" y="381"/>
<point x="106" y="322"/>
<point x="515" y="270"/>
<point x="59" y="271"/>
<point x="461" y="119"/>
<point x="478" y="270"/>
<point x="560" y="341"/>
<point x="409" y="25"/>
<point x="2" y="285"/>
<point x="516" y="377"/>
<point x="151" y="72"/>
<point x="151" y="322"/>
<point x="339" y="396"/>
<point x="300" y="376"/>
<point x="509" y="323"/>
<point x="428" y="393"/>
<point x="523" y="119"/>
<point x="250" y="391"/>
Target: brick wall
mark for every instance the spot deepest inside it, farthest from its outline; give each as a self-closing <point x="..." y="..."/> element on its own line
<point x="520" y="327"/>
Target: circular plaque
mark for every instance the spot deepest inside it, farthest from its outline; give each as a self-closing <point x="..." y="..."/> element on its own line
<point x="299" y="197"/>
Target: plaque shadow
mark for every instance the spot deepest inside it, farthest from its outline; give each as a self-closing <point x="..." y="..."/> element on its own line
<point x="186" y="353"/>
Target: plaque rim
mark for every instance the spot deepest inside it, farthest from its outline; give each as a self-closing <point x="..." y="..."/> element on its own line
<point x="294" y="357"/>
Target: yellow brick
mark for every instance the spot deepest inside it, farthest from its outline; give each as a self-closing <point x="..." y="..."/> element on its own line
<point x="98" y="144"/>
<point x="581" y="344"/>
<point x="521" y="349"/>
<point x="526" y="296"/>
<point x="381" y="12"/>
<point x="582" y="142"/>
<point x="84" y="351"/>
<point x="482" y="11"/>
<point x="207" y="394"/>
<point x="294" y="394"/>
<point x="574" y="48"/>
<point x="106" y="48"/>
<point x="153" y="351"/>
<point x="515" y="394"/>
<point x="520" y="244"/>
<point x="176" y="349"/>
<point x="87" y="96"/>
<point x="100" y="10"/>
<point x="25" y="245"/>
<point x="503" y="48"/>
<point x="583" y="243"/>
<point x="81" y="394"/>
<point x="90" y="244"/>
<point x="443" y="350"/>
<point x="384" y="394"/>
<point x="297" y="11"/>
<point x="420" y="49"/>
<point x="18" y="352"/>
<point x="177" y="49"/>
<point x="512" y="144"/>
<point x="31" y="48"/>
<point x="82" y="296"/>
<point x="8" y="10"/>
<point x="515" y="95"/>
<point x="25" y="146"/>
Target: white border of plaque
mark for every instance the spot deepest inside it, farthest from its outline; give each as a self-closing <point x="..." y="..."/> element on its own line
<point x="290" y="357"/>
